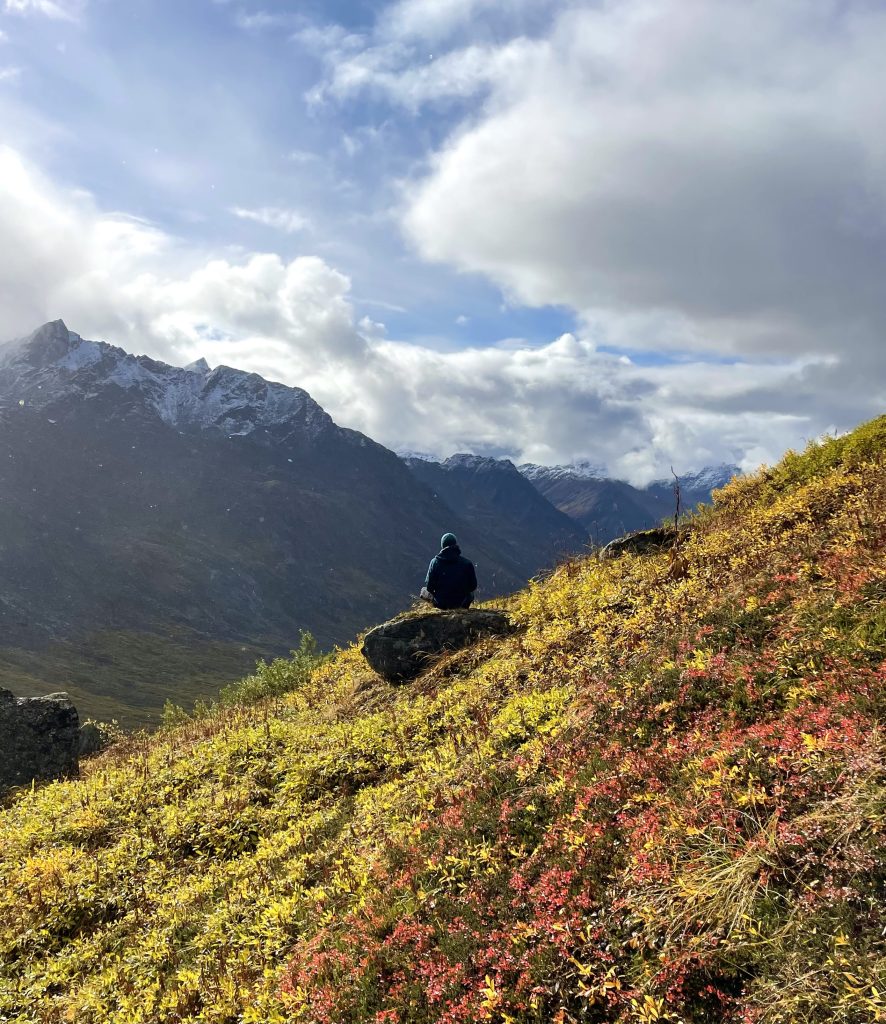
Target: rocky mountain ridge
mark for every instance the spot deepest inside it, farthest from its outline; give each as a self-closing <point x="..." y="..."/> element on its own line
<point x="607" y="508"/>
<point x="54" y="363"/>
<point x="581" y="470"/>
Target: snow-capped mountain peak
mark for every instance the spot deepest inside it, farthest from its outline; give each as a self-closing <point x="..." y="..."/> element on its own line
<point x="54" y="364"/>
<point x="51" y="343"/>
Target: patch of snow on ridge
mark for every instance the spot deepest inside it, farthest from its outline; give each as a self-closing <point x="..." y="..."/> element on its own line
<point x="466" y="461"/>
<point x="712" y="477"/>
<point x="408" y="453"/>
<point x="581" y="469"/>
<point x="237" y="402"/>
<point x="708" y="478"/>
<point x="229" y="400"/>
<point x="82" y="353"/>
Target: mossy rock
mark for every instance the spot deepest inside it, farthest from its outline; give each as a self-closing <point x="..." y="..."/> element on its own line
<point x="39" y="739"/>
<point x="400" y="650"/>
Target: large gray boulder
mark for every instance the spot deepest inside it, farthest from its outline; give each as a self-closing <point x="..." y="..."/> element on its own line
<point x="39" y="739"/>
<point x="403" y="648"/>
<point x="640" y="542"/>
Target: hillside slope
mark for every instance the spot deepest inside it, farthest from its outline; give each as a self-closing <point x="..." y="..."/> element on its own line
<point x="604" y="508"/>
<point x="663" y="800"/>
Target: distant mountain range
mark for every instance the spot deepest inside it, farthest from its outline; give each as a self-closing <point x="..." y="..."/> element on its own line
<point x="607" y="508"/>
<point x="499" y="501"/>
<point x="160" y="527"/>
<point x="594" y="509"/>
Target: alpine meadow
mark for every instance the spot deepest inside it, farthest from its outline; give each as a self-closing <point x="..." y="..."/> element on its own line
<point x="661" y="799"/>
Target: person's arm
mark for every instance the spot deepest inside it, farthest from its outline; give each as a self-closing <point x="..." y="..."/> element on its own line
<point x="430" y="578"/>
<point x="472" y="578"/>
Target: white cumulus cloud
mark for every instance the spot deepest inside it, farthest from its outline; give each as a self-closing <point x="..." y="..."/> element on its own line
<point x="290" y="221"/>
<point x="121" y="279"/>
<point x="686" y="174"/>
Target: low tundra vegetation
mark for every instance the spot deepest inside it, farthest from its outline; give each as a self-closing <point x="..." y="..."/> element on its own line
<point x="663" y="799"/>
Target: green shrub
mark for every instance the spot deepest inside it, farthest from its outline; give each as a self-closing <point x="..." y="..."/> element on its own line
<point x="270" y="679"/>
<point x="282" y="675"/>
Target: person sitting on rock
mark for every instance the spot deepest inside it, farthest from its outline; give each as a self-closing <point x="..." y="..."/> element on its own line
<point x="451" y="579"/>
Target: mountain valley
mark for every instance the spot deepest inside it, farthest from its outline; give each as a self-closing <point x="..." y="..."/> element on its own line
<point x="161" y="528"/>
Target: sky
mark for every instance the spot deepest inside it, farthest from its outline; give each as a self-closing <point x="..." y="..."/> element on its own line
<point x="643" y="233"/>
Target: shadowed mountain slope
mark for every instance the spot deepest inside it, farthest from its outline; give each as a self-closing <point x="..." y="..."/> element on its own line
<point x="209" y="507"/>
<point x="496" y="498"/>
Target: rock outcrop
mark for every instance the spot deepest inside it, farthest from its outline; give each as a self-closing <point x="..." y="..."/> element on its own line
<point x="403" y="648"/>
<point x="39" y="739"/>
<point x="641" y="542"/>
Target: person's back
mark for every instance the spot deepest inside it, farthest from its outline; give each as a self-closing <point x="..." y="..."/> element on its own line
<point x="451" y="579"/>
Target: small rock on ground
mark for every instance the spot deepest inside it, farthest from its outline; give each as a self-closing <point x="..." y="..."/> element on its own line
<point x="641" y="542"/>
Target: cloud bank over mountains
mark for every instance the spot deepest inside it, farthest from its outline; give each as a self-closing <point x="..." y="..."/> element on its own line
<point x="701" y="183"/>
<point x="122" y="280"/>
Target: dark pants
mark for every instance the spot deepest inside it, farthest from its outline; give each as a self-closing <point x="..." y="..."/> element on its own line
<point x="468" y="601"/>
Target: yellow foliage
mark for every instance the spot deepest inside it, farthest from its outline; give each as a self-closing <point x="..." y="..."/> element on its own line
<point x="177" y="879"/>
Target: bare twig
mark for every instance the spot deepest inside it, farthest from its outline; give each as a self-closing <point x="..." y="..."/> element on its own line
<point x="677" y="503"/>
